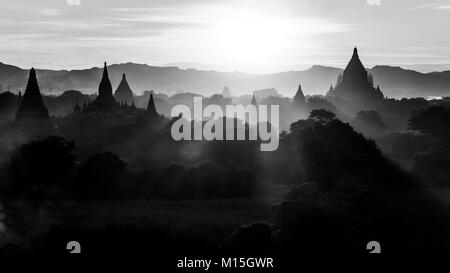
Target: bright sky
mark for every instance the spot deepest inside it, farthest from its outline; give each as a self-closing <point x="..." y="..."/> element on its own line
<point x="245" y="35"/>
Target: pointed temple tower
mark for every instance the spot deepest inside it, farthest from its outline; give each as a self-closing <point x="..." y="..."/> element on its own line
<point x="299" y="98"/>
<point x="105" y="101"/>
<point x="105" y="89"/>
<point x="355" y="82"/>
<point x="300" y="105"/>
<point x="254" y="101"/>
<point x="32" y="106"/>
<point x="151" y="109"/>
<point x="355" y="86"/>
<point x="124" y="92"/>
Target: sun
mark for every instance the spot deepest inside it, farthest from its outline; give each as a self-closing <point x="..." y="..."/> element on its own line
<point x="258" y="41"/>
<point x="251" y="39"/>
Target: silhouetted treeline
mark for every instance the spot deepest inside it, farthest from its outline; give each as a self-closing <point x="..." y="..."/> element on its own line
<point x="431" y="162"/>
<point x="46" y="169"/>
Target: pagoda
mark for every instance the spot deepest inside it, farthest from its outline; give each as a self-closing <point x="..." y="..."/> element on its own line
<point x="123" y="92"/>
<point x="299" y="98"/>
<point x="105" y="101"/>
<point x="355" y="86"/>
<point x="32" y="106"/>
<point x="151" y="109"/>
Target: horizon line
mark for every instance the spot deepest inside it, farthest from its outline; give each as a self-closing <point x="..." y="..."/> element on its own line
<point x="310" y="66"/>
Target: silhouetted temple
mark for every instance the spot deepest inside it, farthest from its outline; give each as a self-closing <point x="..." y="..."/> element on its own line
<point x="151" y="109"/>
<point x="123" y="92"/>
<point x="32" y="106"/>
<point x="254" y="101"/>
<point x="299" y="98"/>
<point x="355" y="85"/>
<point x="105" y="89"/>
<point x="105" y="101"/>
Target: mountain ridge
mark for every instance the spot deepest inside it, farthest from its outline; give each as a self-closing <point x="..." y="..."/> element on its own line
<point x="394" y="81"/>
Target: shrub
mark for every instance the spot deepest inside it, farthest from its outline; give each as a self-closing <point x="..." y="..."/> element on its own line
<point x="42" y="168"/>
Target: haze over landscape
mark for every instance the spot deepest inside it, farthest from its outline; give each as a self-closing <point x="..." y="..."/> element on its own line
<point x="396" y="82"/>
<point x="105" y="140"/>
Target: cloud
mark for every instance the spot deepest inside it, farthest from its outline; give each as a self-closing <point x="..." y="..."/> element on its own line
<point x="166" y="31"/>
<point x="50" y="12"/>
<point x="73" y="2"/>
<point x="421" y="7"/>
<point x="446" y="7"/>
<point x="374" y="2"/>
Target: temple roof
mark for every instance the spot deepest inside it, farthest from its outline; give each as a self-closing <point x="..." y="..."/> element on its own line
<point x="151" y="109"/>
<point x="355" y="63"/>
<point x="32" y="106"/>
<point x="356" y="84"/>
<point x="124" y="87"/>
<point x="299" y="97"/>
<point x="105" y="88"/>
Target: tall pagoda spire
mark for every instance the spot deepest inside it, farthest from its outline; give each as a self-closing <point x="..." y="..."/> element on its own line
<point x="355" y="65"/>
<point x="32" y="106"/>
<point x="254" y="101"/>
<point x="104" y="101"/>
<point x="105" y="70"/>
<point x="105" y="88"/>
<point x="151" y="109"/>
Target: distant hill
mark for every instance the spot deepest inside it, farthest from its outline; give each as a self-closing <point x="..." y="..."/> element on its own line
<point x="170" y="79"/>
<point x="394" y="81"/>
<point x="398" y="82"/>
<point x="63" y="104"/>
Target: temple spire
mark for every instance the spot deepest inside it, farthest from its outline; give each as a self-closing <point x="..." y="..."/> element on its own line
<point x="105" y="70"/>
<point x="254" y="101"/>
<point x="151" y="109"/>
<point x="299" y="98"/>
<point x="105" y="88"/>
<point x="355" y="85"/>
<point x="123" y="92"/>
<point x="32" y="106"/>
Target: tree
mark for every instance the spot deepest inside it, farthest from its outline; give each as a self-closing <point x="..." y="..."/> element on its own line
<point x="322" y="116"/>
<point x="99" y="175"/>
<point x="368" y="122"/>
<point x="318" y="102"/>
<point x="434" y="121"/>
<point x="434" y="124"/>
<point x="42" y="166"/>
<point x="330" y="149"/>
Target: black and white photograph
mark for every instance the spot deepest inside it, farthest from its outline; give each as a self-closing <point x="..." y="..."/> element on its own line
<point x="224" y="135"/>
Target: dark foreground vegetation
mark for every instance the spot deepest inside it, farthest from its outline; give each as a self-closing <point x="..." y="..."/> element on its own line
<point x="340" y="190"/>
